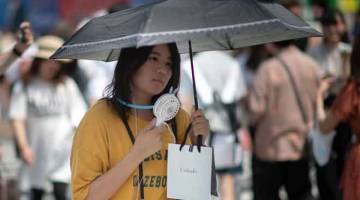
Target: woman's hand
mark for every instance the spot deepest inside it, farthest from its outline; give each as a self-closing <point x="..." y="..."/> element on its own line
<point x="200" y="125"/>
<point x="26" y="37"/>
<point x="149" y="140"/>
<point x="27" y="155"/>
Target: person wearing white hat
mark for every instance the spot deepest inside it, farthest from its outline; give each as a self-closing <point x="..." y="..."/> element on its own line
<point x="45" y="106"/>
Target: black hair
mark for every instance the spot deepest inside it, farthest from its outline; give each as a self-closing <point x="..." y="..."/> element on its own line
<point x="34" y="71"/>
<point x="119" y="6"/>
<point x="291" y="3"/>
<point x="328" y="19"/>
<point x="129" y="62"/>
<point x="257" y="55"/>
<point x="285" y="43"/>
<point x="2" y="78"/>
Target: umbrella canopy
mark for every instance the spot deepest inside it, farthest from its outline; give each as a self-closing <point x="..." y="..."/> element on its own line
<point x="209" y="24"/>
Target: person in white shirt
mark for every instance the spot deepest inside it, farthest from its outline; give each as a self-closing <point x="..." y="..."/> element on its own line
<point x="45" y="107"/>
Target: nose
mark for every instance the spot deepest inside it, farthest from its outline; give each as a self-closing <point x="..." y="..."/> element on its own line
<point x="163" y="69"/>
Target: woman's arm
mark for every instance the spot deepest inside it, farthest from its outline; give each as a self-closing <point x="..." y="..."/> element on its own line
<point x="327" y="122"/>
<point x="6" y="59"/>
<point x="106" y="185"/>
<point x="147" y="142"/>
<point x="18" y="127"/>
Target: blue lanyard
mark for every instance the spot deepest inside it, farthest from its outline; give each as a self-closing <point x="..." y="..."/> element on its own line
<point x="136" y="106"/>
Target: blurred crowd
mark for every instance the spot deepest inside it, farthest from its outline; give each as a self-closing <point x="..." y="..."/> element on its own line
<point x="264" y="98"/>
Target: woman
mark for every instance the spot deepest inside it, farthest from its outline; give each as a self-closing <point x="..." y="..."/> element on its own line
<point x="44" y="109"/>
<point x="117" y="141"/>
<point x="346" y="108"/>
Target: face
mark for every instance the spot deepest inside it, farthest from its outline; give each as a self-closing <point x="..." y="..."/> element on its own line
<point x="154" y="75"/>
<point x="49" y="69"/>
<point x="341" y="26"/>
<point x="331" y="34"/>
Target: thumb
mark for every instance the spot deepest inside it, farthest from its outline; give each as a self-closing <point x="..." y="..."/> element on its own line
<point x="151" y="125"/>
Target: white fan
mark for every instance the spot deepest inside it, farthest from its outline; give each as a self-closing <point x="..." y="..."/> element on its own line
<point x="165" y="108"/>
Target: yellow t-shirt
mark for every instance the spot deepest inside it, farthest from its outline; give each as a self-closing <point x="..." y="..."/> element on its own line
<point x="101" y="141"/>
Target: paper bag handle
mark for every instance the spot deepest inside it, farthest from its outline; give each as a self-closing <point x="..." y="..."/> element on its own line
<point x="199" y="140"/>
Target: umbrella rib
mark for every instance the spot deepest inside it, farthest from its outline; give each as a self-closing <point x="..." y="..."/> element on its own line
<point x="109" y="55"/>
<point x="228" y="41"/>
<point x="218" y="42"/>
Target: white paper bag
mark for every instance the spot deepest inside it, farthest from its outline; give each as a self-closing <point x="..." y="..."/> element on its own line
<point x="189" y="173"/>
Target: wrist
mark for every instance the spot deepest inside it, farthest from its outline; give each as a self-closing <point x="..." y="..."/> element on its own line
<point x="136" y="154"/>
<point x="24" y="147"/>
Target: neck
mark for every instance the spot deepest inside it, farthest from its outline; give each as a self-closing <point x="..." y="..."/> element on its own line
<point x="141" y="99"/>
<point x="143" y="114"/>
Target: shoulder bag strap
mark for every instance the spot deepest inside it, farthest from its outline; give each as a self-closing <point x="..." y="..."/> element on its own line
<point x="296" y="91"/>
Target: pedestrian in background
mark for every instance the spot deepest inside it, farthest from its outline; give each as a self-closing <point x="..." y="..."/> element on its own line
<point x="282" y="124"/>
<point x="45" y="107"/>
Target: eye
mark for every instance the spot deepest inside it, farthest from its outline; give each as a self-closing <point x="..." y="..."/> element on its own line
<point x="168" y="64"/>
<point x="153" y="58"/>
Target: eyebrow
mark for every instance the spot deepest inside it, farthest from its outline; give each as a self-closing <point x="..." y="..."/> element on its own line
<point x="158" y="54"/>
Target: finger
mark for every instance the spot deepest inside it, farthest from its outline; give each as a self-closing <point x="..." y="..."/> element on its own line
<point x="200" y="121"/>
<point x="198" y="114"/>
<point x="202" y="129"/>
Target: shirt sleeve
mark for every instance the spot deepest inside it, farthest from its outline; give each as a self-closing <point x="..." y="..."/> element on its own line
<point x="89" y="157"/>
<point x="18" y="105"/>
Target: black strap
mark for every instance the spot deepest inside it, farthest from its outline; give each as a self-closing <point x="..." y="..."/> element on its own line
<point x="185" y="137"/>
<point x="296" y="91"/>
<point x="141" y="171"/>
<point x="174" y="128"/>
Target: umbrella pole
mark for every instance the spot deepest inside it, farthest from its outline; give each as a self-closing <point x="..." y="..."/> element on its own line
<point x="193" y="77"/>
<point x="200" y="137"/>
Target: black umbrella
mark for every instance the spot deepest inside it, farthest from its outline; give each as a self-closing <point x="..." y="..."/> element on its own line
<point x="209" y="24"/>
<point x="195" y="25"/>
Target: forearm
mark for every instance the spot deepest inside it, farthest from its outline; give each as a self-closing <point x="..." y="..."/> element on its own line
<point x="105" y="186"/>
<point x="18" y="127"/>
<point x="6" y="60"/>
<point x="328" y="124"/>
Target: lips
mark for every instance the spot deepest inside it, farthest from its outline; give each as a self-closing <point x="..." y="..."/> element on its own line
<point x="160" y="81"/>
